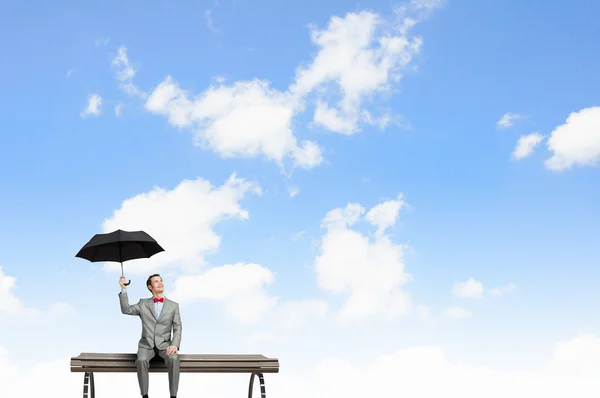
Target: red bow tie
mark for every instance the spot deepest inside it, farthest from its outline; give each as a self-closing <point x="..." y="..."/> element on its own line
<point x="156" y="300"/>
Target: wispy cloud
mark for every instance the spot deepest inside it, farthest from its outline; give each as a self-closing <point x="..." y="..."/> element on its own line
<point x="209" y="21"/>
<point x="125" y="73"/>
<point x="469" y="289"/>
<point x="293" y="190"/>
<point x="498" y="291"/>
<point x="507" y="120"/>
<point x="93" y="107"/>
<point x="526" y="144"/>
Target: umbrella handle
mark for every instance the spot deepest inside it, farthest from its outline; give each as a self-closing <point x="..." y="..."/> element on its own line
<point x="126" y="284"/>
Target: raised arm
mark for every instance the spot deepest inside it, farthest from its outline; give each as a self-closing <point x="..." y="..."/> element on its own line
<point x="125" y="307"/>
<point x="176" y="341"/>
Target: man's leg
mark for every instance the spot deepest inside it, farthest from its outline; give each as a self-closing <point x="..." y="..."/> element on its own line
<point x="142" y="363"/>
<point x="172" y="362"/>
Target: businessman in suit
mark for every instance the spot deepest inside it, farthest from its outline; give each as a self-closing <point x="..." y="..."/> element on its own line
<point x="159" y="316"/>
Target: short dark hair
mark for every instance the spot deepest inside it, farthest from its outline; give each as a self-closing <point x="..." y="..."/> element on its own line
<point x="149" y="281"/>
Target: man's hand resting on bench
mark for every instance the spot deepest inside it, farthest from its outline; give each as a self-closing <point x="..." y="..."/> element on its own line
<point x="171" y="350"/>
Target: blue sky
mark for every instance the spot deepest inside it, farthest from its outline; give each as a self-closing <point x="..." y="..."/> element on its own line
<point x="208" y="89"/>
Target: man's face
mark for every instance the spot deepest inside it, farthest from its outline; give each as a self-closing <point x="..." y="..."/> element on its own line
<point x="157" y="284"/>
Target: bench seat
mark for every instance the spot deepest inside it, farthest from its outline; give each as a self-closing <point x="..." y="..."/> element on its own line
<point x="90" y="363"/>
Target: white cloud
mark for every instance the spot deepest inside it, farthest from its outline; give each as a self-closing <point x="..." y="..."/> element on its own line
<point x="125" y="73"/>
<point x="408" y="372"/>
<point x="181" y="220"/>
<point x="293" y="190"/>
<point x="418" y="366"/>
<point x="360" y="54"/>
<point x="332" y="120"/>
<point x="469" y="289"/>
<point x="382" y="121"/>
<point x="384" y="215"/>
<point x="526" y="144"/>
<point x="93" y="106"/>
<point x="507" y="120"/>
<point x="8" y="371"/>
<point x="457" y="313"/>
<point x="498" y="291"/>
<point x="370" y="271"/>
<point x="578" y="356"/>
<point x="246" y="119"/>
<point x="240" y="288"/>
<point x="339" y="218"/>
<point x="10" y="304"/>
<point x="577" y="141"/>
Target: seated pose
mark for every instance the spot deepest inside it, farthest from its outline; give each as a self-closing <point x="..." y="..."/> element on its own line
<point x="159" y="316"/>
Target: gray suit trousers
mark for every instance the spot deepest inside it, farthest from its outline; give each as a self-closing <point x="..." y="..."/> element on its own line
<point x="142" y="363"/>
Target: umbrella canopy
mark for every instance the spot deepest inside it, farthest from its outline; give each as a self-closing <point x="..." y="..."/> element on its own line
<point x="119" y="246"/>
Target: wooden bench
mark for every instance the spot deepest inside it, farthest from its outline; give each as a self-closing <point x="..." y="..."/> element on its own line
<point x="256" y="365"/>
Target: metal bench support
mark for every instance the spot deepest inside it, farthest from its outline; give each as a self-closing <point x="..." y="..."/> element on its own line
<point x="89" y="389"/>
<point x="263" y="393"/>
<point x="88" y="385"/>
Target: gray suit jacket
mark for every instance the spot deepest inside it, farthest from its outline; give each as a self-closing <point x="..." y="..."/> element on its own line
<point x="155" y="333"/>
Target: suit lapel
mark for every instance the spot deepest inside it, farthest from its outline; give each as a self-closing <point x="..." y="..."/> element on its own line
<point x="152" y="307"/>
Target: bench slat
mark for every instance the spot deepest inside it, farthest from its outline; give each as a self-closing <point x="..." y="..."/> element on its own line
<point x="182" y="370"/>
<point x="182" y="357"/>
<point x="189" y="364"/>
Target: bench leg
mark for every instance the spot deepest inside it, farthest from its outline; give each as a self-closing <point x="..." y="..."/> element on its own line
<point x="263" y="394"/>
<point x="88" y="385"/>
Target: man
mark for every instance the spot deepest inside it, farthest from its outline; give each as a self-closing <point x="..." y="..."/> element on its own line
<point x="159" y="316"/>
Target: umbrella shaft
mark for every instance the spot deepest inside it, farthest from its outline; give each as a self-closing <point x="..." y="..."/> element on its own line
<point x="121" y="259"/>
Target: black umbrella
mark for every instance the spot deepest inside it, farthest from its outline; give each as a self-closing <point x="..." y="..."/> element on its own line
<point x="119" y="246"/>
